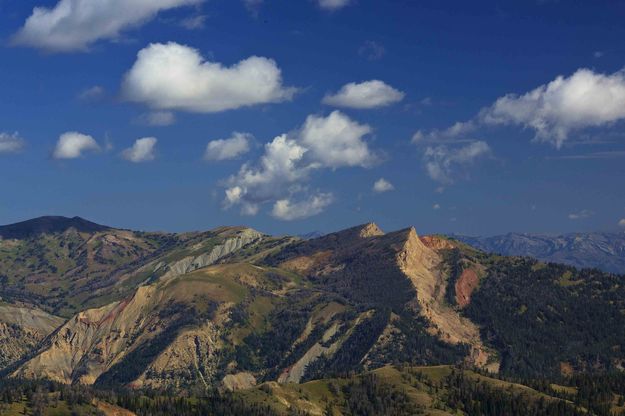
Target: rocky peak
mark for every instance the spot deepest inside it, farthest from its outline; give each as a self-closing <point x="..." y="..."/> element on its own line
<point x="370" y="230"/>
<point x="414" y="252"/>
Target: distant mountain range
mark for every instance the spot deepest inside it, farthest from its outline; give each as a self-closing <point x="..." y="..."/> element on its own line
<point x="604" y="251"/>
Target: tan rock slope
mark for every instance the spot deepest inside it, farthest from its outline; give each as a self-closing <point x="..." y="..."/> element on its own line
<point x="21" y="330"/>
<point x="95" y="341"/>
<point x="423" y="266"/>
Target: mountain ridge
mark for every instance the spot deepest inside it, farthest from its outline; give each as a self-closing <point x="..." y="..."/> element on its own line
<point x="233" y="308"/>
<point x="48" y="225"/>
<point x="602" y="250"/>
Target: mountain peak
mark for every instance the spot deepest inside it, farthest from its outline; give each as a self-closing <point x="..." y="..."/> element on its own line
<point x="48" y="225"/>
<point x="370" y="230"/>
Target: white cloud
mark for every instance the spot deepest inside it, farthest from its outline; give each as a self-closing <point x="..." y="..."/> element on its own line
<point x="333" y="4"/>
<point x="328" y="142"/>
<point x="10" y="143"/>
<point x="287" y="210"/>
<point x="436" y="207"/>
<point x="553" y="111"/>
<point x="176" y="77"/>
<point x="141" y="151"/>
<point x="74" y="25"/>
<point x="621" y="223"/>
<point x="448" y="135"/>
<point x="92" y="93"/>
<point x="443" y="164"/>
<point x="72" y="145"/>
<point x="368" y="94"/>
<point x="279" y="168"/>
<point x="231" y="148"/>
<point x="580" y="215"/>
<point x="336" y="141"/>
<point x="158" y="118"/>
<point x="382" y="185"/>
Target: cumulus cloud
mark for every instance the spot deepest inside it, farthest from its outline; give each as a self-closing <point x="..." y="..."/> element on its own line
<point x="72" y="145"/>
<point x="329" y="142"/>
<point x="141" y="151"/>
<point x="287" y="210"/>
<point x="231" y="148"/>
<point x="368" y="94"/>
<point x="74" y="25"/>
<point x="278" y="169"/>
<point x="158" y="118"/>
<point x="580" y="215"/>
<point x="382" y="185"/>
<point x="10" y="143"/>
<point x="336" y="141"/>
<point x="553" y="111"/>
<point x="333" y="4"/>
<point x="444" y="164"/>
<point x="621" y="223"/>
<point x="436" y="207"/>
<point x="176" y="77"/>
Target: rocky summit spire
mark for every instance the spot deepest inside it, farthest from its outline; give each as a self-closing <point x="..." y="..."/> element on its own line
<point x="370" y="230"/>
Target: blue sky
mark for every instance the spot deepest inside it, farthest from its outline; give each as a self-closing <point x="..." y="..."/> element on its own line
<point x="308" y="105"/>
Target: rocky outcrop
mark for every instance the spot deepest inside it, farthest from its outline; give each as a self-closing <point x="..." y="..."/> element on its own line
<point x="436" y="242"/>
<point x="192" y="356"/>
<point x="91" y="342"/>
<point x="238" y="381"/>
<point x="422" y="266"/>
<point x="295" y="373"/>
<point x="464" y="287"/>
<point x="229" y="246"/>
<point x="33" y="319"/>
<point x="21" y="330"/>
<point x="370" y="230"/>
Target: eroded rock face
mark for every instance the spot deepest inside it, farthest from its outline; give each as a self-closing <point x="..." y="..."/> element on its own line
<point x="371" y="230"/>
<point x="464" y="287"/>
<point x="21" y="330"/>
<point x="239" y="381"/>
<point x="98" y="341"/>
<point x="436" y="242"/>
<point x="295" y="373"/>
<point x="229" y="246"/>
<point x="421" y="265"/>
<point x="92" y="341"/>
<point x="192" y="356"/>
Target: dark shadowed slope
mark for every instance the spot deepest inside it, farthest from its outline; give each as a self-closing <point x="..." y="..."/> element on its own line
<point x="48" y="225"/>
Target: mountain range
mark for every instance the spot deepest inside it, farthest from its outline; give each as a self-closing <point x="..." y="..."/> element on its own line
<point x="268" y="317"/>
<point x="604" y="251"/>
